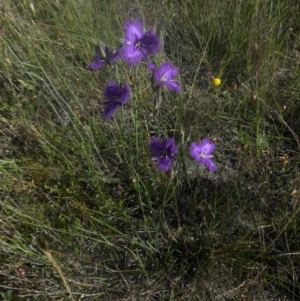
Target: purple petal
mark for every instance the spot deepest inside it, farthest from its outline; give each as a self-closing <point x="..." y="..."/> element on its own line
<point x="206" y="146"/>
<point x="151" y="42"/>
<point x="110" y="108"/>
<point x="125" y="93"/>
<point x="97" y="62"/>
<point x="167" y="70"/>
<point x="156" y="146"/>
<point x="117" y="92"/>
<point x="171" y="147"/>
<point x="112" y="90"/>
<point x="194" y="151"/>
<point x="133" y="30"/>
<point x="131" y="55"/>
<point x="164" y="163"/>
<point x="115" y="56"/>
<point x="144" y="54"/>
<point x="125" y="42"/>
<point x="209" y="164"/>
<point x="173" y="85"/>
<point x="96" y="65"/>
<point x="151" y="67"/>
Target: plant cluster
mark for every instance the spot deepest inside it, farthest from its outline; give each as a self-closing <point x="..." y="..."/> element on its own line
<point x="137" y="46"/>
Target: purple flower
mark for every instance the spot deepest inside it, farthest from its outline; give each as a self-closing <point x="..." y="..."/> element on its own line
<point x="116" y="95"/>
<point x="163" y="151"/>
<point x="103" y="56"/>
<point x="138" y="44"/>
<point x="202" y="152"/>
<point x="164" y="75"/>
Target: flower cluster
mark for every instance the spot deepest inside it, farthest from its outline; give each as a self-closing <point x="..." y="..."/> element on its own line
<point x="137" y="46"/>
<point x="163" y="151"/>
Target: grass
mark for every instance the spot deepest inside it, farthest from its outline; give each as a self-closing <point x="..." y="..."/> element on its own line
<point x="84" y="213"/>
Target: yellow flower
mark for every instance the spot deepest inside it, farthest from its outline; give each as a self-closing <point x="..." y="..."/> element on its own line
<point x="216" y="81"/>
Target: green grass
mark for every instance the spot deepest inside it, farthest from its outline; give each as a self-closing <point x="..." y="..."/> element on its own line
<point x="83" y="211"/>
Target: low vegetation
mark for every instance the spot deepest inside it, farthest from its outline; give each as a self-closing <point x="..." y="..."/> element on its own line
<point x="84" y="212"/>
